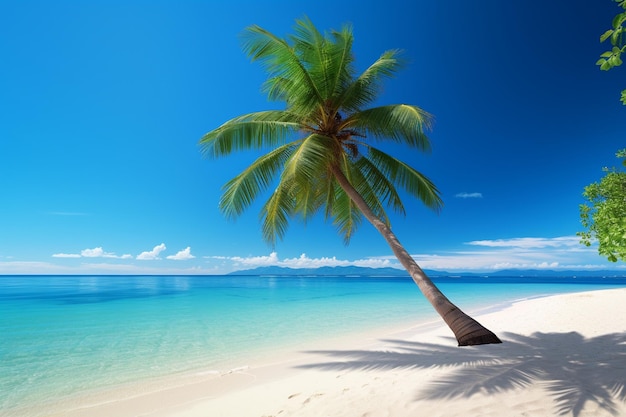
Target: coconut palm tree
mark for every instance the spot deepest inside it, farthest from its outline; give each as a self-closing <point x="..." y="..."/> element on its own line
<point x="321" y="154"/>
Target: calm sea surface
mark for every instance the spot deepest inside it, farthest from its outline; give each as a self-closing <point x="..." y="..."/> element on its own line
<point x="62" y="335"/>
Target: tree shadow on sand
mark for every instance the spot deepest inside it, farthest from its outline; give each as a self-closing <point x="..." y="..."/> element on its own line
<point x="573" y="369"/>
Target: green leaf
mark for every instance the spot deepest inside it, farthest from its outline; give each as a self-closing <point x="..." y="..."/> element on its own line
<point x="618" y="20"/>
<point x="606" y="35"/>
<point x="606" y="66"/>
<point x="616" y="37"/>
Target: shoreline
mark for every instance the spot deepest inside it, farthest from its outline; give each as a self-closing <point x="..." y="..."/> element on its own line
<point x="137" y="398"/>
<point x="366" y="371"/>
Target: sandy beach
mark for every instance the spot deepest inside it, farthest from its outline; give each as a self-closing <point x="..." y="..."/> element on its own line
<point x="562" y="355"/>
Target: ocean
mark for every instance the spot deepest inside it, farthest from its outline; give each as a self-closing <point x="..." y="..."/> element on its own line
<point x="61" y="336"/>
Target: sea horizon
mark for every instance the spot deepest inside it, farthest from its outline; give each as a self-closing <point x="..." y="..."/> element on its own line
<point x="364" y="272"/>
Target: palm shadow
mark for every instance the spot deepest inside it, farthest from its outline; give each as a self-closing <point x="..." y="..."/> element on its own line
<point x="573" y="369"/>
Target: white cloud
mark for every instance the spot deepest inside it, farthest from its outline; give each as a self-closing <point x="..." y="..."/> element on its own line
<point x="518" y="253"/>
<point x="490" y="261"/>
<point x="469" y="195"/>
<point x="303" y="261"/>
<point x="153" y="254"/>
<point x="91" y="253"/>
<point x="182" y="255"/>
<point x="529" y="242"/>
<point x="65" y="255"/>
<point x="96" y="253"/>
<point x="272" y="259"/>
<point x="542" y="265"/>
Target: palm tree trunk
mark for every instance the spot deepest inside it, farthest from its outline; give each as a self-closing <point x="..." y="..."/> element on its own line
<point x="466" y="330"/>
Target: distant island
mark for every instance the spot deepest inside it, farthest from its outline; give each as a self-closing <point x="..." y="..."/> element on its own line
<point x="395" y="272"/>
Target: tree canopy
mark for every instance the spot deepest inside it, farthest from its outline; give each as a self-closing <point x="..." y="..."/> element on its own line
<point x="325" y="132"/>
<point x="604" y="213"/>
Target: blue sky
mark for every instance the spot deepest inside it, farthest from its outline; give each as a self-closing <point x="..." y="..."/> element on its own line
<point x="103" y="103"/>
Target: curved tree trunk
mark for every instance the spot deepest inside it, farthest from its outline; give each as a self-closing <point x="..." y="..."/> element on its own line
<point x="466" y="330"/>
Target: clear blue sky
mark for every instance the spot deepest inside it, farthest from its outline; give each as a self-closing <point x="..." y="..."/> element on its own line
<point x="102" y="104"/>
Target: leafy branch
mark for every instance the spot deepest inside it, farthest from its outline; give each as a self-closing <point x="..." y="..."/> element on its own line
<point x="604" y="214"/>
<point x="612" y="58"/>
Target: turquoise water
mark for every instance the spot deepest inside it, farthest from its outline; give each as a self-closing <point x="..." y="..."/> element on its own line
<point x="64" y="335"/>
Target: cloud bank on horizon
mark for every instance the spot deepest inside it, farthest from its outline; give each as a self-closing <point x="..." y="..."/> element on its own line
<point x="564" y="252"/>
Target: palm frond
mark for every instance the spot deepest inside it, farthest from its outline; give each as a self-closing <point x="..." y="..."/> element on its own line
<point x="240" y="192"/>
<point x="345" y="214"/>
<point x="310" y="197"/>
<point x="288" y="77"/>
<point x="250" y="131"/>
<point x="311" y="158"/>
<point x="400" y="122"/>
<point x="276" y="212"/>
<point x="312" y="49"/>
<point x="277" y="89"/>
<point x="327" y="57"/>
<point x="380" y="186"/>
<point x="368" y="185"/>
<point x="366" y="88"/>
<point x="328" y="194"/>
<point x="343" y="59"/>
<point x="304" y="170"/>
<point x="412" y="181"/>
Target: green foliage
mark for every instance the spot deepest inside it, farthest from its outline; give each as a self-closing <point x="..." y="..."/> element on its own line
<point x="324" y="129"/>
<point x="604" y="214"/>
<point x="611" y="59"/>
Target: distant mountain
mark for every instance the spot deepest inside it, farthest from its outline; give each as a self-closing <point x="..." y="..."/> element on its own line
<point x="394" y="272"/>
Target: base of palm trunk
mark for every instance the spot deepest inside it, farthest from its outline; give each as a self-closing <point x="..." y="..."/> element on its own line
<point x="480" y="337"/>
<point x="468" y="332"/>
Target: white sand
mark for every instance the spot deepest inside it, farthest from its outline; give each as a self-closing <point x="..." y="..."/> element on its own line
<point x="562" y="355"/>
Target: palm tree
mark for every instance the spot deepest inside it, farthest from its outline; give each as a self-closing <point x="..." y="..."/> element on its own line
<point x="321" y="150"/>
